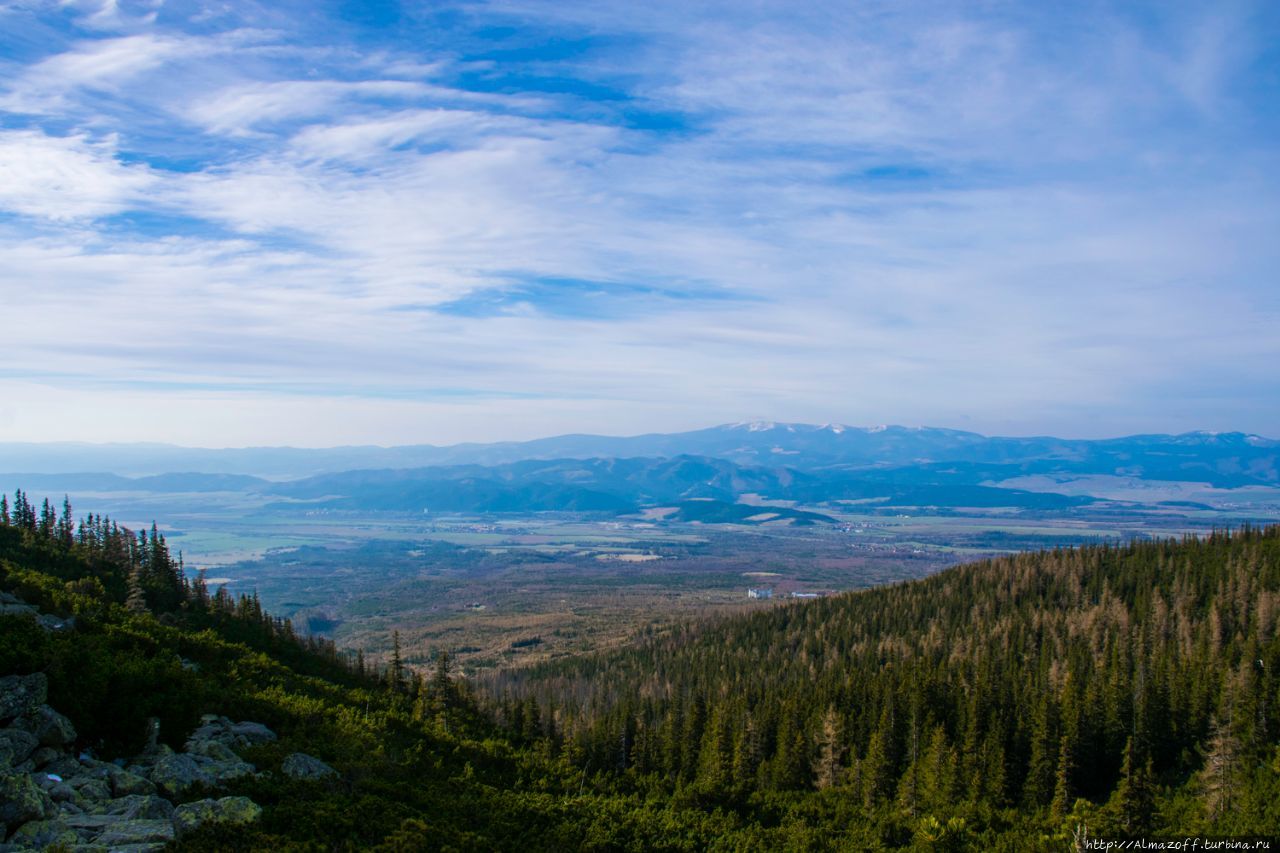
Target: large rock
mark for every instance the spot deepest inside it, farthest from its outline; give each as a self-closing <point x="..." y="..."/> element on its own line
<point x="299" y="765"/>
<point x="21" y="800"/>
<point x="140" y="807"/>
<point x="128" y="832"/>
<point x="228" y="771"/>
<point x="174" y="775"/>
<point x="21" y="693"/>
<point x="43" y="834"/>
<point x="215" y="749"/>
<point x="91" y="789"/>
<point x="253" y="734"/>
<point x="50" y="727"/>
<point x="228" y="810"/>
<point x="234" y="735"/>
<point x="67" y="767"/>
<point x="89" y="825"/>
<point x="43" y="756"/>
<point x="16" y="747"/>
<point x="124" y="783"/>
<point x="56" y="623"/>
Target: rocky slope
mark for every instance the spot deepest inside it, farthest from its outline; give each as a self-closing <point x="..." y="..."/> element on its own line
<point x="53" y="795"/>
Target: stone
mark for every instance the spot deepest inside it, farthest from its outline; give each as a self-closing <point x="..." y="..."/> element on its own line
<point x="253" y="733"/>
<point x="48" y="725"/>
<point x="142" y="764"/>
<point x="66" y="767"/>
<point x="61" y="792"/>
<point x="21" y="693"/>
<point x="299" y="765"/>
<point x="141" y="806"/>
<point x="235" y="811"/>
<point x="56" y="623"/>
<point x="90" y="825"/>
<point x="174" y="775"/>
<point x="233" y="735"/>
<point x="124" y="783"/>
<point x="16" y="747"/>
<point x="214" y="749"/>
<point x="43" y="756"/>
<point x="229" y="771"/>
<point x="136" y="832"/>
<point x="91" y="789"/>
<point x="21" y="800"/>
<point x="42" y="834"/>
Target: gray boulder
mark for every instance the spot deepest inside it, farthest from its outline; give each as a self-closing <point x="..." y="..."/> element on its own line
<point x="16" y="747"/>
<point x="21" y="693"/>
<point x="61" y="792"/>
<point x="229" y="771"/>
<point x="253" y="734"/>
<point x="56" y="623"/>
<point x="174" y="775"/>
<point x="228" y="810"/>
<point x="299" y="765"/>
<point x="215" y="749"/>
<point x="233" y="735"/>
<point x="21" y="800"/>
<point x="67" y="767"/>
<point x="51" y="728"/>
<point x="90" y="825"/>
<point x="124" y="783"/>
<point x="43" y="756"/>
<point x="140" y="807"/>
<point x="128" y="832"/>
<point x="91" y="789"/>
<point x="42" y="834"/>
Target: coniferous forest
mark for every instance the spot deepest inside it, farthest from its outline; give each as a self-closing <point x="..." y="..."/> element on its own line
<point x="1011" y="704"/>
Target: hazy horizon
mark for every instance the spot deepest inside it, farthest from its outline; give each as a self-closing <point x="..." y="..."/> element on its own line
<point x="339" y="224"/>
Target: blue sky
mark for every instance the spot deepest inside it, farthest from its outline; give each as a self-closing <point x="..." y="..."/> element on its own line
<point x="321" y="223"/>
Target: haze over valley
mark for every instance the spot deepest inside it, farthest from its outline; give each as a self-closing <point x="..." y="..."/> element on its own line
<point x="527" y="550"/>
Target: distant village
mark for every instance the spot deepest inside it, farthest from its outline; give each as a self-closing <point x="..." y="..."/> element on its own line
<point x="767" y="592"/>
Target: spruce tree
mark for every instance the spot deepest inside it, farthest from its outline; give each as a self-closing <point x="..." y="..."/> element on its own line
<point x="828" y="770"/>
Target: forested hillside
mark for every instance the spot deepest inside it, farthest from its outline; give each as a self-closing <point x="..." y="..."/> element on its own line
<point x="122" y="637"/>
<point x="1004" y="704"/>
<point x="1128" y="689"/>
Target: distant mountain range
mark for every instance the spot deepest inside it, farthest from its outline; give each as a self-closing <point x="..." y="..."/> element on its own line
<point x="715" y="474"/>
<point x="698" y="487"/>
<point x="1220" y="459"/>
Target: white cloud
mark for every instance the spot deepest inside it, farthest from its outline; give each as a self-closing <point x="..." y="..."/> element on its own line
<point x="66" y="178"/>
<point x="1051" y="240"/>
<point x="239" y="108"/>
<point x="101" y="65"/>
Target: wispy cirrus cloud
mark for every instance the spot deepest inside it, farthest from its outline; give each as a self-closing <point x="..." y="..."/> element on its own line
<point x="1012" y="218"/>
